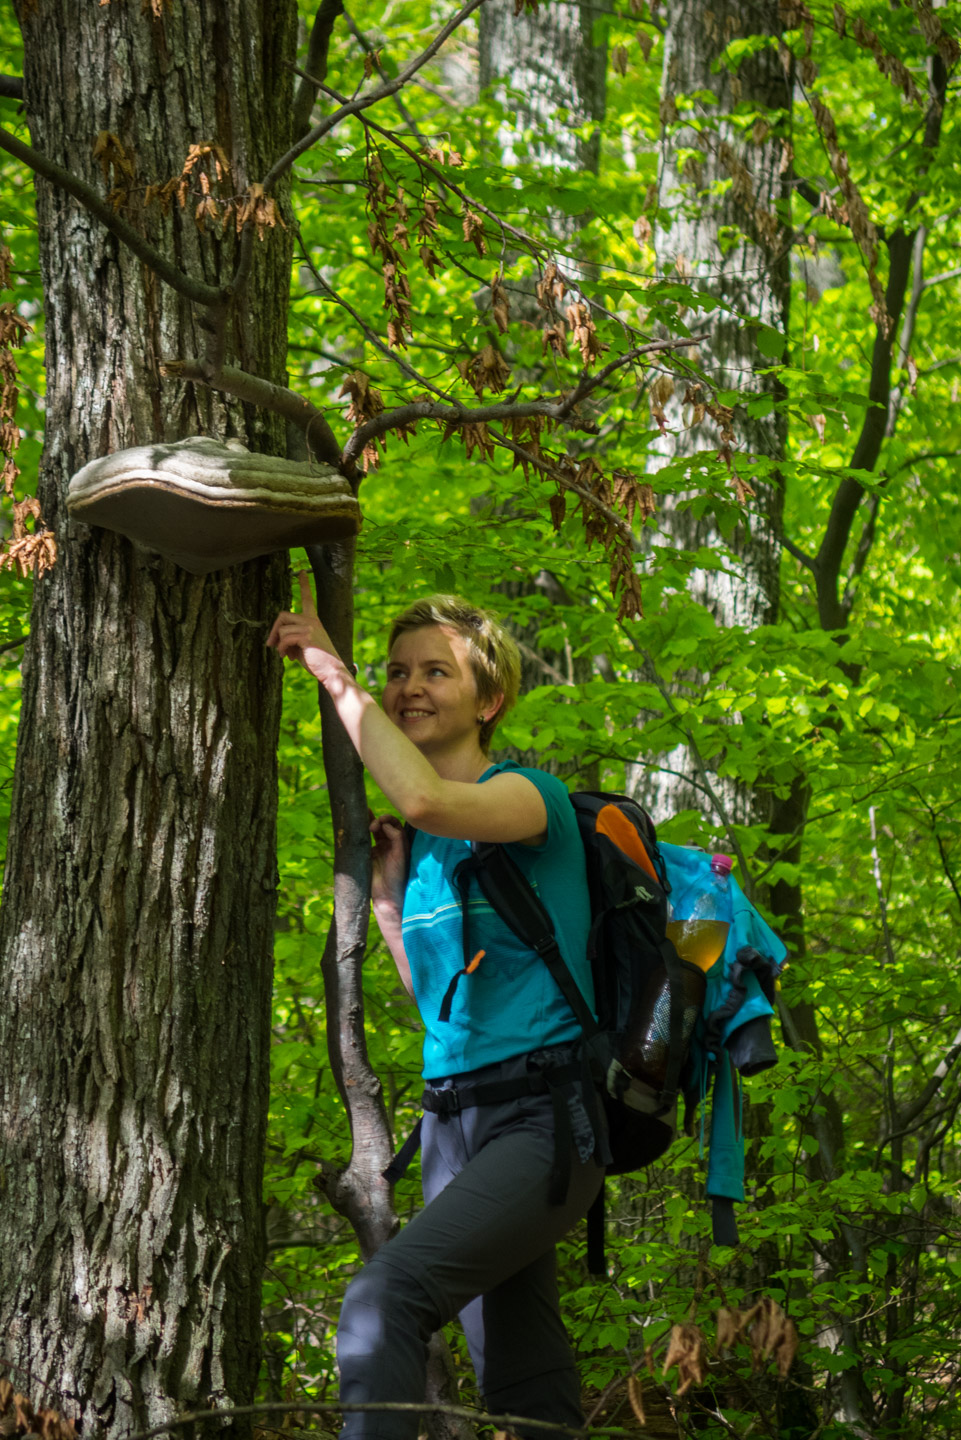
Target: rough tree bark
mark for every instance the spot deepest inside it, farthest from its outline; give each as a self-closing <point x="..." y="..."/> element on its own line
<point x="547" y="68"/>
<point x="544" y="66"/>
<point x="136" y="934"/>
<point x="730" y="234"/>
<point x="727" y="193"/>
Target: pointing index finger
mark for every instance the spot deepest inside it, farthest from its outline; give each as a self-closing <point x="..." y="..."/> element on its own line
<point x="306" y="594"/>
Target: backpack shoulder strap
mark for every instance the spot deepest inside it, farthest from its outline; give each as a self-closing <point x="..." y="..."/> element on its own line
<point x="507" y="890"/>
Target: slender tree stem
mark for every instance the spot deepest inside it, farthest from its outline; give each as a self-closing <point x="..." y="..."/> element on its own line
<point x="509" y="1423"/>
<point x="317" y="51"/>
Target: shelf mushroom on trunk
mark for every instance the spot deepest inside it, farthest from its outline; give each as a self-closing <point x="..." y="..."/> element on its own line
<point x="206" y="504"/>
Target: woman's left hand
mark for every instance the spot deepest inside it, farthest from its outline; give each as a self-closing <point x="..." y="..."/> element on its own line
<point x="303" y="638"/>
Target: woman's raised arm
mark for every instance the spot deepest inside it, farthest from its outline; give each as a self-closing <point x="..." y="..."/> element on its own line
<point x="507" y="807"/>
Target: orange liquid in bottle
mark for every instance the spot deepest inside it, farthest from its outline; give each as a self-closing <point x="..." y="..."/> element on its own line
<point x="698" y="941"/>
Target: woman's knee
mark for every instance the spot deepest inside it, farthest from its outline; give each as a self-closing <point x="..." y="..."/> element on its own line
<point x="381" y="1304"/>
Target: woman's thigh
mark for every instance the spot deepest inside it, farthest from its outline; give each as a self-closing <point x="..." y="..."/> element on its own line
<point x="489" y="1220"/>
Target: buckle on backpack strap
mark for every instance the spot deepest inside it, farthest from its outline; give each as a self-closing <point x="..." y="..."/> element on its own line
<point x="441" y="1102"/>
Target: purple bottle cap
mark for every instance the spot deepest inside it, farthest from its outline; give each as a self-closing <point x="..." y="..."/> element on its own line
<point x="722" y="864"/>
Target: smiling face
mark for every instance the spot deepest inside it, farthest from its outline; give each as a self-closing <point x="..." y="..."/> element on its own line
<point x="431" y="693"/>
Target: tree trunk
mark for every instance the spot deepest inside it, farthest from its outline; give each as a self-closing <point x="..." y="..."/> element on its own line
<point x="727" y="195"/>
<point x="545" y="67"/>
<point x="730" y="234"/>
<point x="136" y="932"/>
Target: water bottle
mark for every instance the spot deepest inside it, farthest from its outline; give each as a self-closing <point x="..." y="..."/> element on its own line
<point x="701" y="919"/>
<point x="699" y="938"/>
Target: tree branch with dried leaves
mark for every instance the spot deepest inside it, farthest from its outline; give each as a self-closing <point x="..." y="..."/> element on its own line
<point x="196" y="290"/>
<point x="455" y="415"/>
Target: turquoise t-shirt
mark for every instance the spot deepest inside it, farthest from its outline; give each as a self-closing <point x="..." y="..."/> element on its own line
<point x="510" y="1004"/>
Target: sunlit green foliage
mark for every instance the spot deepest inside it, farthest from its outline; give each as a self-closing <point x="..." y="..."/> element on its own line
<point x="863" y="1251"/>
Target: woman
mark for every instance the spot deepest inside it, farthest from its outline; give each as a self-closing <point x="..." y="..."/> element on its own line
<point x="483" y="1246"/>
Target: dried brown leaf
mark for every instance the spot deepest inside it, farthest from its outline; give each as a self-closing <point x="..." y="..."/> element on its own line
<point x="642" y="230"/>
<point x="430" y="260"/>
<point x="486" y="371"/>
<point x="473" y="229"/>
<point x="365" y="400"/>
<point x="934" y="33"/>
<point x="584" y="332"/>
<point x="742" y="488"/>
<point x="686" y="1350"/>
<point x="636" y="1397"/>
<point x="662" y="388"/>
<point x="428" y="223"/>
<point x="109" y="150"/>
<point x="22" y="1414"/>
<point x="772" y="1333"/>
<point x="550" y="287"/>
<point x="554" y="338"/>
<point x="477" y="437"/>
<point x="729" y="1327"/>
<point x="558" y="504"/>
<point x="500" y="306"/>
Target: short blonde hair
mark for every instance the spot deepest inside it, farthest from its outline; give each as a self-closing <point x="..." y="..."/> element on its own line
<point x="493" y="657"/>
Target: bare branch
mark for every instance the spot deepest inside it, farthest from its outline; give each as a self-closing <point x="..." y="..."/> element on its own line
<point x="945" y="275"/>
<point x="339" y="1407"/>
<point x="457" y="414"/>
<point x="534" y="247"/>
<point x="11" y="87"/>
<point x="12" y="644"/>
<point x="922" y="457"/>
<point x="370" y="50"/>
<point x="701" y="767"/>
<point x="940" y="365"/>
<point x="799" y="554"/>
<point x="874" y="430"/>
<point x="256" y="391"/>
<point x="531" y="246"/>
<point x="550" y="671"/>
<point x="363" y="102"/>
<point x="947" y="1063"/>
<point x="316" y="63"/>
<point x="896" y="399"/>
<point x="369" y="334"/>
<point x="185" y="285"/>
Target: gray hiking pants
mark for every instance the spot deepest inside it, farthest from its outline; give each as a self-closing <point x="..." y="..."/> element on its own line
<point x="483" y="1248"/>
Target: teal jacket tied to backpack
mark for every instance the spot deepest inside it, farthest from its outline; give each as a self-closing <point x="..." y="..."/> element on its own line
<point x="730" y="1041"/>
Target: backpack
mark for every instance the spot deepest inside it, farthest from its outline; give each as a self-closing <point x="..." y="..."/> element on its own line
<point x="652" y="1042"/>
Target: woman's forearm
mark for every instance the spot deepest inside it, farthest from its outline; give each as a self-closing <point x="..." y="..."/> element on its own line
<point x="409" y="781"/>
<point x="389" y="924"/>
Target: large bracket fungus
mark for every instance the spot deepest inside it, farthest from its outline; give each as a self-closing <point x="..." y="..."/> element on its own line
<point x="207" y="504"/>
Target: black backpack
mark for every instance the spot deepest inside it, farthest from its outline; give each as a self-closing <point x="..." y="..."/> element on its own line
<point x="636" y="1060"/>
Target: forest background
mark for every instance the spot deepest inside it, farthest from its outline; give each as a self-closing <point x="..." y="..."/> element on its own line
<point x="733" y="562"/>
